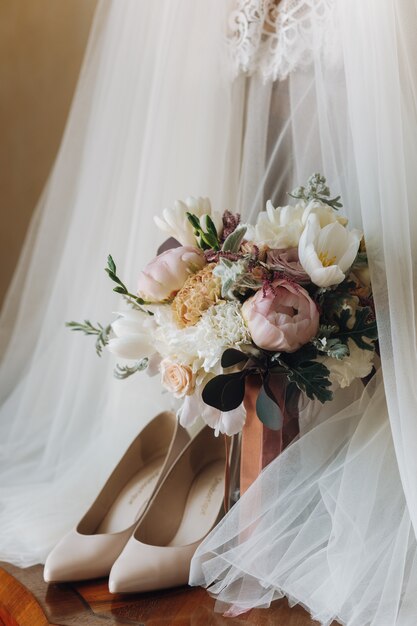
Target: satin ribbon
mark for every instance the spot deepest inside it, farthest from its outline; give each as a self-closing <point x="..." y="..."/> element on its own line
<point x="261" y="445"/>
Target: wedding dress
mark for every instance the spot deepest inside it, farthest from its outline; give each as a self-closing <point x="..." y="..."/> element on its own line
<point x="240" y="101"/>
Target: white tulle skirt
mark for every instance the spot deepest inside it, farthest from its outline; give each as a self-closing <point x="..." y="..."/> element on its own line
<point x="151" y="122"/>
<point x="326" y="525"/>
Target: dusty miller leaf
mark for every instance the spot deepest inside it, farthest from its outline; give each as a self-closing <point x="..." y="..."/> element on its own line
<point x="124" y="371"/>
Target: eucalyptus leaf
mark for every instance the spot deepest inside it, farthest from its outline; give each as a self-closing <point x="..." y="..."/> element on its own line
<point x="268" y="411"/>
<point x="225" y="392"/>
<point x="231" y="357"/>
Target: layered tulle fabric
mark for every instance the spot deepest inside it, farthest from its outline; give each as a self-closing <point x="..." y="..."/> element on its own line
<point x="320" y="529"/>
<point x="331" y="523"/>
<point x="159" y="115"/>
<point x="151" y="122"/>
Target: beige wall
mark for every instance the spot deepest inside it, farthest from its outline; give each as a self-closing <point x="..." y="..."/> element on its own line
<point x="41" y="48"/>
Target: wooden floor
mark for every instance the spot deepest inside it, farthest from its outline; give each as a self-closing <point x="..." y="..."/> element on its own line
<point x="26" y="600"/>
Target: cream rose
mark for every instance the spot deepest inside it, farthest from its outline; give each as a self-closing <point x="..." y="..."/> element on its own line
<point x="177" y="378"/>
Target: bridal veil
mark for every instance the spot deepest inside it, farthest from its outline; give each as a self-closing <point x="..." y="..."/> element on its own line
<point x="241" y="101"/>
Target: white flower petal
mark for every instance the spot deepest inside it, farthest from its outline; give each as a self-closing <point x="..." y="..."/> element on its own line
<point x="132" y="322"/>
<point x="131" y="347"/>
<point x="327" y="276"/>
<point x="190" y="410"/>
<point x="332" y="240"/>
<point x="174" y="220"/>
<point x="347" y="259"/>
<point x="232" y="422"/>
<point x="326" y="253"/>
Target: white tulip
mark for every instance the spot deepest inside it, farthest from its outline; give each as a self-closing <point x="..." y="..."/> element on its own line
<point x="175" y="223"/>
<point x="134" y="335"/>
<point x="327" y="253"/>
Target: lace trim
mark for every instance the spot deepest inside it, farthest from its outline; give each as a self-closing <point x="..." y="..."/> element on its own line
<point x="274" y="38"/>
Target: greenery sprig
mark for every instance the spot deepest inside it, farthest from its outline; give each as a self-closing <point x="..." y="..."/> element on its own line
<point x="121" y="288"/>
<point x="102" y="332"/>
<point x="207" y="239"/>
<point x="316" y="189"/>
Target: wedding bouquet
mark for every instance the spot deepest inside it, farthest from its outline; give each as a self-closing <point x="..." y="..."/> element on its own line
<point x="289" y="295"/>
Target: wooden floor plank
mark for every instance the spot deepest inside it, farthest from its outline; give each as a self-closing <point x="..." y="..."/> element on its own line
<point x="90" y="604"/>
<point x="18" y="606"/>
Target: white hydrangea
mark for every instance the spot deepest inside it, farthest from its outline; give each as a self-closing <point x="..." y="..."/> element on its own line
<point x="201" y="346"/>
<point x="221" y="327"/>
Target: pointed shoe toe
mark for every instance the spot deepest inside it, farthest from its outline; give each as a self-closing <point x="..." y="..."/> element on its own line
<point x="182" y="512"/>
<point x="80" y="557"/>
<point x="143" y="567"/>
<point x="89" y="550"/>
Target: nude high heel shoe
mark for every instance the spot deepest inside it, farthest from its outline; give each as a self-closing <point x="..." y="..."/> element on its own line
<point x="90" y="549"/>
<point x="184" y="509"/>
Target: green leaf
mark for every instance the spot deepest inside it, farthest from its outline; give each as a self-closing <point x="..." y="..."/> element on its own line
<point x="333" y="347"/>
<point x="225" y="392"/>
<point x="363" y="327"/>
<point x="336" y="349"/>
<point x="211" y="228"/>
<point x="124" y="371"/>
<point x="111" y="264"/>
<point x="233" y="241"/>
<point x="312" y="379"/>
<point x="308" y="352"/>
<point x="194" y="221"/>
<point x="310" y="376"/>
<point x="111" y="272"/>
<point x="205" y="239"/>
<point x="268" y="411"/>
<point x="231" y="357"/>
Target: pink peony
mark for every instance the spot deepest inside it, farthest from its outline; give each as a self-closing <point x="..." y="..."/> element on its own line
<point x="167" y="273"/>
<point x="283" y="318"/>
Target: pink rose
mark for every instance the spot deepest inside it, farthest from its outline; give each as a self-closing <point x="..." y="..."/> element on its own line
<point x="167" y="273"/>
<point x="283" y="318"/>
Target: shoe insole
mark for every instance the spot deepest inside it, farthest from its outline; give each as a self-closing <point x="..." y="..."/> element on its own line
<point x="203" y="505"/>
<point x="132" y="499"/>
